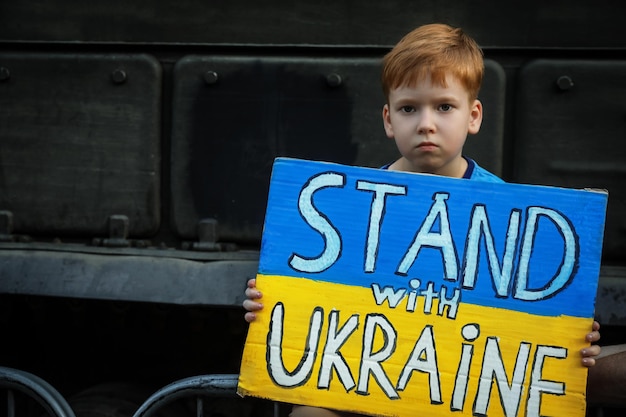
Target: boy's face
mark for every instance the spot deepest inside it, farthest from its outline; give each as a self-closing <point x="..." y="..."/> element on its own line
<point x="430" y="124"/>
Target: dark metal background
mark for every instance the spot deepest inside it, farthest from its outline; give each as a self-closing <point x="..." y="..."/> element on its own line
<point x="136" y="142"/>
<point x="510" y="24"/>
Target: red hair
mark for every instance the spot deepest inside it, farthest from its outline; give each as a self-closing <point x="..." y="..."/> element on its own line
<point x="434" y="50"/>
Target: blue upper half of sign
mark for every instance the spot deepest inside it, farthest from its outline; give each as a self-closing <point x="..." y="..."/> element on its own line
<point x="521" y="247"/>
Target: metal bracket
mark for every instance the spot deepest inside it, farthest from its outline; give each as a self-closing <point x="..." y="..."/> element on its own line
<point x="208" y="237"/>
<point x="6" y="226"/>
<point x="118" y="232"/>
<point x="6" y="229"/>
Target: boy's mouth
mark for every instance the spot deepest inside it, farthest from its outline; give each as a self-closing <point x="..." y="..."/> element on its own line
<point x="427" y="145"/>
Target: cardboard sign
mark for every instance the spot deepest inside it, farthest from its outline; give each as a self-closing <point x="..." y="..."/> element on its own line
<point x="398" y="294"/>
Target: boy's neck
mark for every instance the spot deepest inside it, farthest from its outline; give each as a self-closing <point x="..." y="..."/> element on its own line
<point x="453" y="170"/>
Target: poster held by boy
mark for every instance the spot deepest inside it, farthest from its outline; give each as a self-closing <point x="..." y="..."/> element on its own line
<point x="390" y="293"/>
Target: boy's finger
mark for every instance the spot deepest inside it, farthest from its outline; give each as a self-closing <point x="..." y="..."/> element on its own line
<point x="593" y="350"/>
<point x="593" y="336"/>
<point x="588" y="362"/>
<point x="253" y="293"/>
<point x="252" y="305"/>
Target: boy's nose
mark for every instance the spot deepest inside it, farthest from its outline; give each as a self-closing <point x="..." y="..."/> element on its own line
<point x="426" y="123"/>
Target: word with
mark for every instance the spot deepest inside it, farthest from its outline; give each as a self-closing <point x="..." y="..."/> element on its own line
<point x="394" y="297"/>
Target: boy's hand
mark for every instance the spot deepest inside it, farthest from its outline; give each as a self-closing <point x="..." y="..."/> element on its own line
<point x="249" y="304"/>
<point x="589" y="353"/>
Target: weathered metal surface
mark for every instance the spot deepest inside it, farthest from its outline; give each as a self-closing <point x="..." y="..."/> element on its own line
<point x="611" y="296"/>
<point x="148" y="251"/>
<point x="233" y="115"/>
<point x="132" y="277"/>
<point x="80" y="142"/>
<point x="571" y="126"/>
<point x="179" y="141"/>
<point x="125" y="278"/>
<point x="227" y="132"/>
<point x="558" y="23"/>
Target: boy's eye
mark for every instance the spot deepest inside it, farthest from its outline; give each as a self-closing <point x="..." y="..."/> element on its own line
<point x="407" y="109"/>
<point x="445" y="107"/>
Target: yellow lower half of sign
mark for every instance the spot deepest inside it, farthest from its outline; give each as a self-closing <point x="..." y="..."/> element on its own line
<point x="333" y="346"/>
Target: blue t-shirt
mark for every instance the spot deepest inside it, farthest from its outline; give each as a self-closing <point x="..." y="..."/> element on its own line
<point x="473" y="172"/>
<point x="477" y="173"/>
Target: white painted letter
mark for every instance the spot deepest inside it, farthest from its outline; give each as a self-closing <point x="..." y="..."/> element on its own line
<point x="568" y="265"/>
<point x="510" y="395"/>
<point x="470" y="332"/>
<point x="377" y="212"/>
<point x="501" y="277"/>
<point x="275" y="365"/>
<point x="370" y="361"/>
<point x="423" y="358"/>
<point x="319" y="222"/>
<point x="441" y="240"/>
<point x="332" y="358"/>
<point x="538" y="385"/>
<point x="451" y="303"/>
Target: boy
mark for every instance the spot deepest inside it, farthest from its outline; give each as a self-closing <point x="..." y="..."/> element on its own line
<point x="431" y="80"/>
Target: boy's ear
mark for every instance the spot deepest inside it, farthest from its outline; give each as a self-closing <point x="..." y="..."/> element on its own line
<point x="476" y="117"/>
<point x="387" y="121"/>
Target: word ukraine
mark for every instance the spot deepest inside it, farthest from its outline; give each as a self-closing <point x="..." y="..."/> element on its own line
<point x="423" y="294"/>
